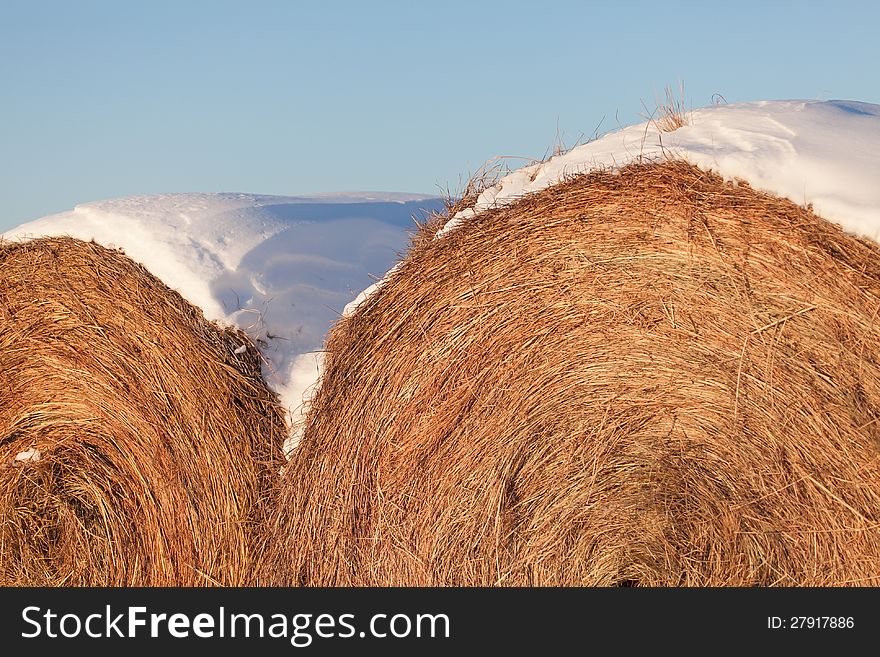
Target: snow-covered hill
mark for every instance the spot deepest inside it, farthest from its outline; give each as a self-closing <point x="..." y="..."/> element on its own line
<point x="281" y="268"/>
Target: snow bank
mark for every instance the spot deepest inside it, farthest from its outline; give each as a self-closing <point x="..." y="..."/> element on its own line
<point x="280" y="268"/>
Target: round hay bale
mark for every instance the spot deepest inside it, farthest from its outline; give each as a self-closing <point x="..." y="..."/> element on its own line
<point x="136" y="446"/>
<point x="642" y="377"/>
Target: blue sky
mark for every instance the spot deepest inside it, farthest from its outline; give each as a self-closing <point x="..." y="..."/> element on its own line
<point x="105" y="99"/>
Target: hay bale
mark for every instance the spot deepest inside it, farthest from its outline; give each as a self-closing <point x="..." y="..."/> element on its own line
<point x="136" y="446"/>
<point x="649" y="377"/>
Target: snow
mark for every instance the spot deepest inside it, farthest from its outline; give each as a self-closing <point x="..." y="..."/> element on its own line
<point x="826" y="153"/>
<point x="351" y="306"/>
<point x="280" y="268"/>
<point x="28" y="455"/>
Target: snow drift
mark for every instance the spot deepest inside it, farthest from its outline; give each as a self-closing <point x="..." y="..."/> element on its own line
<point x="642" y="377"/>
<point x="139" y="444"/>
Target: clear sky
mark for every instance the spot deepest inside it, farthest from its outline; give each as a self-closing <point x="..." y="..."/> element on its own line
<point x="107" y="98"/>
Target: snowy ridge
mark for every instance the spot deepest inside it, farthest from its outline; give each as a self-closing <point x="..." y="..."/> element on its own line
<point x="280" y="268"/>
<point x="826" y="153"/>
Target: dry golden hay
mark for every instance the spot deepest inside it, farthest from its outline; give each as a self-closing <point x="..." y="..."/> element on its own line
<point x="649" y="377"/>
<point x="136" y="446"/>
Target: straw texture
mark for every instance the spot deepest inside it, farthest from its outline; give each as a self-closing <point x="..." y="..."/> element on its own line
<point x="644" y="377"/>
<point x="136" y="446"/>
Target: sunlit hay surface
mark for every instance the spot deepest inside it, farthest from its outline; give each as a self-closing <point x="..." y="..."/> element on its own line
<point x="650" y="377"/>
<point x="158" y="444"/>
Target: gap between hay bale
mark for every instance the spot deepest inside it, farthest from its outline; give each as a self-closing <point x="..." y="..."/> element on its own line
<point x="158" y="445"/>
<point x="645" y="377"/>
